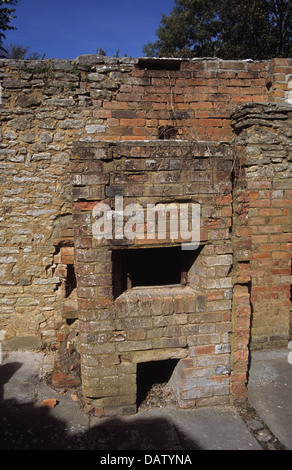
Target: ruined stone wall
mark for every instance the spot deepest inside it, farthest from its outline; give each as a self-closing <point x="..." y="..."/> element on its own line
<point x="48" y="105"/>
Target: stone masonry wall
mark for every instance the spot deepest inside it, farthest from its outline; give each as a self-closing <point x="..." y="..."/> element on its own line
<point x="46" y="106"/>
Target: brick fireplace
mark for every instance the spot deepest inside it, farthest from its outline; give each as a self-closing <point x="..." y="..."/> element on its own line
<point x="147" y="299"/>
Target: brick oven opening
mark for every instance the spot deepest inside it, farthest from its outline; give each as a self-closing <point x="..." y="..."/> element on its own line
<point x="147" y="267"/>
<point x="152" y="374"/>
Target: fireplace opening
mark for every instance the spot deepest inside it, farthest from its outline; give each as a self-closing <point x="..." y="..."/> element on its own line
<point x="151" y="375"/>
<point x="147" y="267"/>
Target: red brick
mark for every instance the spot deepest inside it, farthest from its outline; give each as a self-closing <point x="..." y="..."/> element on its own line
<point x="282" y="203"/>
<point x="49" y="403"/>
<point x="269" y="247"/>
<point x="281" y="255"/>
<point x="201" y="350"/>
<point x="256" y="256"/>
<point x="60" y="380"/>
<point x="132" y="122"/>
<point x="215" y="295"/>
<point x="271" y="212"/>
<point x="243" y="311"/>
<point x="243" y="323"/>
<point x="62" y="336"/>
<point x="224" y="200"/>
<point x="84" y="205"/>
<point x="210" y="122"/>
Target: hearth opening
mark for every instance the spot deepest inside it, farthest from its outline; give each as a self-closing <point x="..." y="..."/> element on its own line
<point x="145" y="267"/>
<point x="152" y="381"/>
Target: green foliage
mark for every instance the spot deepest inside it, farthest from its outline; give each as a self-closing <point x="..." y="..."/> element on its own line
<point x="229" y="29"/>
<point x="6" y="14"/>
<point x="100" y="51"/>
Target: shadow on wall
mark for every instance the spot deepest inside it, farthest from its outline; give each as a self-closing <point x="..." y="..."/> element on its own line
<point x="29" y="427"/>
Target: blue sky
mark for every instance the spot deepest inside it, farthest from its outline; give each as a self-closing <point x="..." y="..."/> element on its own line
<point x="64" y="29"/>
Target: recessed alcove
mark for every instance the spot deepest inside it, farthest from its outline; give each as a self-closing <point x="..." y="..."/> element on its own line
<point x="153" y="373"/>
